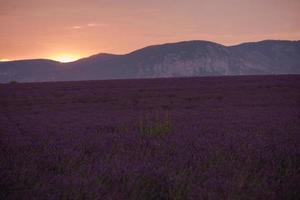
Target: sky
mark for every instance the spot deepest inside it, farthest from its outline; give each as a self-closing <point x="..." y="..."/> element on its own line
<point x="66" y="30"/>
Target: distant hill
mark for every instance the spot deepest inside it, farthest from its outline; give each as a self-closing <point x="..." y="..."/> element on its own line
<point x="182" y="59"/>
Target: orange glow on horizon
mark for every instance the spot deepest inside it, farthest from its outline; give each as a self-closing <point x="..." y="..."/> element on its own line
<point x="4" y="60"/>
<point x="66" y="58"/>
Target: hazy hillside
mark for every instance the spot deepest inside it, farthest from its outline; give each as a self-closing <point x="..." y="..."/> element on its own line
<point x="183" y="59"/>
<point x="30" y="70"/>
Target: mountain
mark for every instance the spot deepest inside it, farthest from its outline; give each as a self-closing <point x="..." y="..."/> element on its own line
<point x="182" y="59"/>
<point x="29" y="70"/>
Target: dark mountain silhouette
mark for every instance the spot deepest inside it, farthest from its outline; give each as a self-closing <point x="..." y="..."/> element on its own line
<point x="183" y="59"/>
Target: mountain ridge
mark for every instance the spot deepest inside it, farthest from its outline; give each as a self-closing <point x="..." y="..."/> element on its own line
<point x="181" y="59"/>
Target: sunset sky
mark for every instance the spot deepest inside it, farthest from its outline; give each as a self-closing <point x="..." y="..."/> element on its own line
<point x="70" y="29"/>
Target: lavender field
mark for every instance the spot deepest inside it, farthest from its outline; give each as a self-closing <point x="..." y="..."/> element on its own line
<point x="161" y="139"/>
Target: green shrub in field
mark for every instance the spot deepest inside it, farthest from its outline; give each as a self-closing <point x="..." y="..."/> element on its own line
<point x="155" y="127"/>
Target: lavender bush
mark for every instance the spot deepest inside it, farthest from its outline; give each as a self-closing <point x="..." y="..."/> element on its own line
<point x="174" y="139"/>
